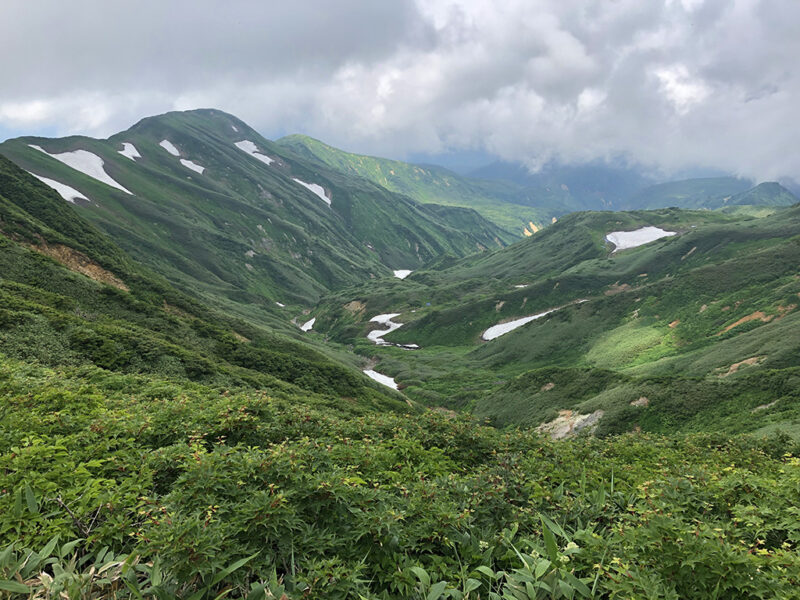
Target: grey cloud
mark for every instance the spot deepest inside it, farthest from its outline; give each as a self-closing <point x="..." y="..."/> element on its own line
<point x="669" y="84"/>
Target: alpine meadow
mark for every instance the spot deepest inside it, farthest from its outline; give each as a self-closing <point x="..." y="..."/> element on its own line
<point x="535" y="334"/>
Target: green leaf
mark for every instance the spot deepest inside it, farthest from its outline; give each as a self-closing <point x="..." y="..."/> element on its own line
<point x="541" y="567"/>
<point x="155" y="573"/>
<point x="554" y="527"/>
<point x="48" y="549"/>
<point x="237" y="565"/>
<point x="68" y="547"/>
<point x="582" y="588"/>
<point x="30" y="499"/>
<point x="422" y="575"/>
<point x="566" y="589"/>
<point x="14" y="587"/>
<point x="436" y="590"/>
<point x="549" y="542"/>
<point x="486" y="571"/>
<point x="471" y="585"/>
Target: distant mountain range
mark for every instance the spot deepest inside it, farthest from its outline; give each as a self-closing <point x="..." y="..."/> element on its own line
<point x="513" y="197"/>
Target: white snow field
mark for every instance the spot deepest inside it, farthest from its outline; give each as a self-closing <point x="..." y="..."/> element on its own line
<point x="129" y="151"/>
<point x="495" y="331"/>
<point x="377" y="335"/>
<point x="623" y="240"/>
<point x="503" y="328"/>
<point x="252" y="150"/>
<point x="317" y="189"/>
<point x="308" y="325"/>
<point x="67" y="193"/>
<point x="193" y="166"/>
<point x="402" y="273"/>
<point x="281" y="304"/>
<point x="87" y="163"/>
<point x="169" y="147"/>
<point x="381" y="378"/>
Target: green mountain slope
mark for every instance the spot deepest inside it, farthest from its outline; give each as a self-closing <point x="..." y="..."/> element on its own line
<point x="709" y="192"/>
<point x="769" y="193"/>
<point x="153" y="446"/>
<point x="709" y="313"/>
<point x="504" y="203"/>
<point x="244" y="234"/>
<point x="71" y="297"/>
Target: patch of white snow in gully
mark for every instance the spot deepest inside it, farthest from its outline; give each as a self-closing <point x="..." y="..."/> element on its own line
<point x="402" y="273"/>
<point x="87" y="163"/>
<point x="308" y="325"/>
<point x="381" y="378"/>
<point x="503" y="328"/>
<point x="193" y="166"/>
<point x="67" y="193"/>
<point x="252" y="150"/>
<point x="169" y="147"/>
<point x="129" y="151"/>
<point x="316" y="189"/>
<point x="623" y="240"/>
<point x="377" y="335"/>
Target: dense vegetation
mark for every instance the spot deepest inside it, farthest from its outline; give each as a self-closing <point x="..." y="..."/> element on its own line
<point x="155" y="446"/>
<point x="330" y="500"/>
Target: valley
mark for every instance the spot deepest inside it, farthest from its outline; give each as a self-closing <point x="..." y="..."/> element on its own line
<point x="232" y="366"/>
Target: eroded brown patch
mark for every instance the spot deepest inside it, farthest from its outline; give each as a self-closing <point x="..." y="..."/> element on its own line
<point x="758" y="315"/>
<point x="749" y="362"/>
<point x="548" y="386"/>
<point x="355" y="307"/>
<point x="80" y="263"/>
<point x="674" y="324"/>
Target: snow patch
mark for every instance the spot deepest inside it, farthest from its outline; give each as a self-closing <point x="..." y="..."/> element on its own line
<point x="503" y="328"/>
<point x="87" y="163"/>
<point x="377" y="335"/>
<point x="234" y="128"/>
<point x="193" y="166"/>
<point x="316" y="189"/>
<point x="308" y="325"/>
<point x="169" y="147"/>
<point x="402" y="273"/>
<point x="129" y="151"/>
<point x="381" y="378"/>
<point x="623" y="240"/>
<point x="280" y="304"/>
<point x="252" y="150"/>
<point x="67" y="193"/>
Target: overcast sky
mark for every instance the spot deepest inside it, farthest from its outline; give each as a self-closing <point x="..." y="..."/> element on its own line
<point x="664" y="83"/>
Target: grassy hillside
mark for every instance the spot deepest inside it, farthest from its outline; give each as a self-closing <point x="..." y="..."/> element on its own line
<point x="71" y="297"/>
<point x="702" y="324"/>
<point x="502" y="202"/>
<point x="242" y="234"/>
<point x="708" y="192"/>
<point x="154" y="447"/>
